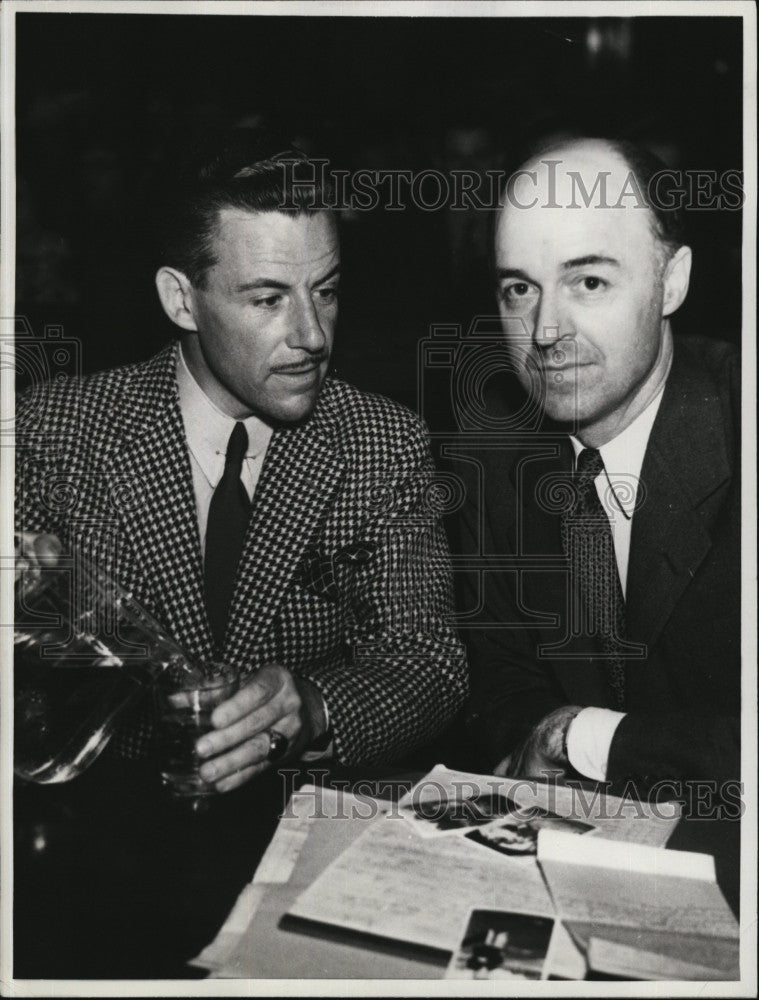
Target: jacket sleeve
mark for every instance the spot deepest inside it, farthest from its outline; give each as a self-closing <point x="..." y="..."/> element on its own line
<point x="647" y="749"/>
<point x="401" y="674"/>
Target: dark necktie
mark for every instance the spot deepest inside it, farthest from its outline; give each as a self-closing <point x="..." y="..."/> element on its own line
<point x="598" y="606"/>
<point x="228" y="518"/>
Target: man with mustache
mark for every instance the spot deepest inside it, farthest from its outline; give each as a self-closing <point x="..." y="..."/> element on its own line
<point x="279" y="520"/>
<point x="607" y="643"/>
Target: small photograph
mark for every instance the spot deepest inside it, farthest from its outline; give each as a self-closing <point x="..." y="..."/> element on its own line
<point x="435" y="816"/>
<point x="499" y="944"/>
<point x="517" y="835"/>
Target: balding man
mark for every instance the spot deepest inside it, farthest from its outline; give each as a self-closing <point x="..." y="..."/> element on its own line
<point x="606" y="642"/>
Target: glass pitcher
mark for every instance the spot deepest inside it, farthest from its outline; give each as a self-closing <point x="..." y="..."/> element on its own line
<point x="85" y="651"/>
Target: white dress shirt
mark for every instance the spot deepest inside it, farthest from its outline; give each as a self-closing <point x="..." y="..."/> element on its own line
<point x="207" y="429"/>
<point x="591" y="731"/>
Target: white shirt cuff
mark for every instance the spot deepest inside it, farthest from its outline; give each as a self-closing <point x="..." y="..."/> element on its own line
<point x="589" y="738"/>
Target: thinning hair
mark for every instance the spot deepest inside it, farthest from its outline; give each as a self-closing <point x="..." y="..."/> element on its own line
<point x="667" y="222"/>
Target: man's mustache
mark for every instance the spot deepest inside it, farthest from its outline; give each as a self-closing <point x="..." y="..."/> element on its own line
<point x="303" y="366"/>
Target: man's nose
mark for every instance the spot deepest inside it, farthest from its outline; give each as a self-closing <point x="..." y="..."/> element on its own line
<point x="551" y="321"/>
<point x="306" y="331"/>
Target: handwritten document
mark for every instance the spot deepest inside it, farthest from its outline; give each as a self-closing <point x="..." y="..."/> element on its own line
<point x="395" y="884"/>
<point x="628" y="903"/>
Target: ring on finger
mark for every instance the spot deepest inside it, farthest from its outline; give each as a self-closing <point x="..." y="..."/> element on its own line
<point x="278" y="745"/>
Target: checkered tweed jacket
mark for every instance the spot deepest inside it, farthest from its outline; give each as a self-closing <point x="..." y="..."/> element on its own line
<point x="344" y="576"/>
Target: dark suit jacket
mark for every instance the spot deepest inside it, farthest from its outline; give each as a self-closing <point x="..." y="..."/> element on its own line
<point x="103" y="463"/>
<point x="683" y="590"/>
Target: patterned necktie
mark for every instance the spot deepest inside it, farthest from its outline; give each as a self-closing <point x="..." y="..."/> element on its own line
<point x="597" y="593"/>
<point x="228" y="518"/>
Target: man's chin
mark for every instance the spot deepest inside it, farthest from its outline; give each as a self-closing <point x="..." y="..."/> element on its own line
<point x="291" y="410"/>
<point x="562" y="408"/>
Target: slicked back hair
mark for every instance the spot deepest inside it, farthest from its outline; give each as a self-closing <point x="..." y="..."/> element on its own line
<point x="244" y="168"/>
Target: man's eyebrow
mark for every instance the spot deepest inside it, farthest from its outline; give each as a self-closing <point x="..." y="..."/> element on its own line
<point x="330" y="274"/>
<point x="250" y="286"/>
<point x="592" y="258"/>
<point x="512" y="272"/>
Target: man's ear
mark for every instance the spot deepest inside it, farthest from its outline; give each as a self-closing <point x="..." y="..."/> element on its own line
<point x="676" y="280"/>
<point x="175" y="293"/>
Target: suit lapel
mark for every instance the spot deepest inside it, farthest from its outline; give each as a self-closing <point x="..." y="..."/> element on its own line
<point x="162" y="526"/>
<point x="685" y="464"/>
<point x="301" y="473"/>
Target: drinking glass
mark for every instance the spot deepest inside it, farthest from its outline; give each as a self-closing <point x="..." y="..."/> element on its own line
<point x="184" y="707"/>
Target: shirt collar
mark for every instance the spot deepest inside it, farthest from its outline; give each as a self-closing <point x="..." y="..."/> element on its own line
<point x="208" y="428"/>
<point x="623" y="455"/>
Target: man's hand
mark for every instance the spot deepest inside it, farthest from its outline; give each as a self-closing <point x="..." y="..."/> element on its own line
<point x="543" y="753"/>
<point x="274" y="698"/>
<point x="33" y="551"/>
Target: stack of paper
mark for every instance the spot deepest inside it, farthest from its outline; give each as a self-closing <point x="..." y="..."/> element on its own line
<point x="483" y="877"/>
<point x="459" y="843"/>
<point x="259" y="942"/>
<point x="642" y="912"/>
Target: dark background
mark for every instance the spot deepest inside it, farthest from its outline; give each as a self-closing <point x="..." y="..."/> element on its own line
<point x="104" y="100"/>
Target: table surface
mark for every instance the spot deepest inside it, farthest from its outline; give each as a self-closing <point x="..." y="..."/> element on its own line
<point x="112" y="880"/>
